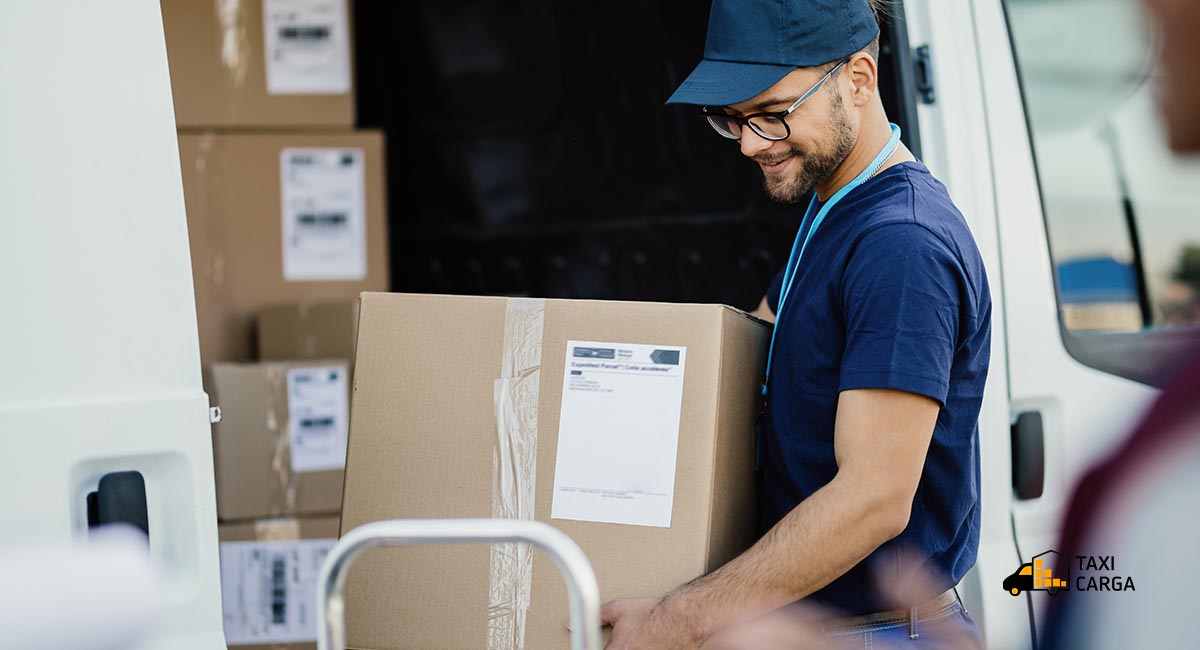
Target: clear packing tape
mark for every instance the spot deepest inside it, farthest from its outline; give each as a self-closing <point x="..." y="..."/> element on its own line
<point x="514" y="469"/>
<point x="285" y="529"/>
<point x="283" y="484"/>
<point x="235" y="45"/>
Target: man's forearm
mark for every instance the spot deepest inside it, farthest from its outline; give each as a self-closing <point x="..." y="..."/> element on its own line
<point x="821" y="539"/>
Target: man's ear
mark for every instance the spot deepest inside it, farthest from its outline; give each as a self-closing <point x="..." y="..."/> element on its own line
<point x="864" y="76"/>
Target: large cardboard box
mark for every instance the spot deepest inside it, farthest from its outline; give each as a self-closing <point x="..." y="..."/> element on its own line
<point x="308" y="330"/>
<point x="260" y="63"/>
<point x="280" y="447"/>
<point x="269" y="575"/>
<point x="280" y="218"/>
<point x="628" y="426"/>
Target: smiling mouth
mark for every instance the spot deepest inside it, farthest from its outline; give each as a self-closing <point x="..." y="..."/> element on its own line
<point x="775" y="167"/>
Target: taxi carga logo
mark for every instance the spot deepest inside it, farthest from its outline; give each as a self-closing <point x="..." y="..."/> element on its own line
<point x="1037" y="576"/>
<point x="1092" y="573"/>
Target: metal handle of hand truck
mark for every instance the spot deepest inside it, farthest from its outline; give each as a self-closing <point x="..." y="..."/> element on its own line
<point x="582" y="590"/>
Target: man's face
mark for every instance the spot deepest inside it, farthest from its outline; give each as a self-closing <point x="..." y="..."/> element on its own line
<point x="822" y="134"/>
<point x="1179" y="24"/>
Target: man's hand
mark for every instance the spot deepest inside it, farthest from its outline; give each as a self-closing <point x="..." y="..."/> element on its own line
<point x="880" y="441"/>
<point x="643" y="624"/>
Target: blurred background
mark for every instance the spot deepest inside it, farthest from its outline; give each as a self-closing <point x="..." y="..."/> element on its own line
<point x="530" y="153"/>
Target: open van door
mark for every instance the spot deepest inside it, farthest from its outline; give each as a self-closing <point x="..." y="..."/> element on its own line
<point x="105" y="420"/>
<point x="957" y="148"/>
<point x="1098" y="227"/>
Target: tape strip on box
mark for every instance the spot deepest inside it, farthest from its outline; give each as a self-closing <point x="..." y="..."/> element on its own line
<point x="284" y="529"/>
<point x="284" y="485"/>
<point x="514" y="466"/>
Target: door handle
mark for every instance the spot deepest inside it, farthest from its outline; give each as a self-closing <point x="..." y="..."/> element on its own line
<point x="1028" y="456"/>
<point x="119" y="499"/>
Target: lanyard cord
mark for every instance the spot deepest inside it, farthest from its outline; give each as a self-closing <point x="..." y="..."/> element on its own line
<point x="799" y="245"/>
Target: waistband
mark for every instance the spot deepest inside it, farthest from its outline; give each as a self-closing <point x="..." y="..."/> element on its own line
<point x="911" y="615"/>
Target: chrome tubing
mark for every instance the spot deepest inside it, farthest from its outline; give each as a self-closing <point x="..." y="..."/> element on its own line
<point x="582" y="591"/>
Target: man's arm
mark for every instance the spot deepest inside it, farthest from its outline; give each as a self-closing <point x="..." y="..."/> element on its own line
<point x="880" y="441"/>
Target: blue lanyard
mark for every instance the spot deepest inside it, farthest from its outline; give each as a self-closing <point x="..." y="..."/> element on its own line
<point x="799" y="245"/>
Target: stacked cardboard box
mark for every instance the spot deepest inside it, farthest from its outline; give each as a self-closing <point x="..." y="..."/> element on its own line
<point x="280" y="218"/>
<point x="308" y="330"/>
<point x="279" y="452"/>
<point x="628" y="426"/>
<point x="274" y="64"/>
<point x="286" y="209"/>
<point x="280" y="447"/>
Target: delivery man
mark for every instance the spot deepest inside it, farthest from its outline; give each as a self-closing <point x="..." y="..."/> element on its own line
<point x="869" y="447"/>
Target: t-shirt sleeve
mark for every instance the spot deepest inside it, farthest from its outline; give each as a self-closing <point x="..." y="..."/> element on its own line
<point x="773" y="293"/>
<point x="902" y="295"/>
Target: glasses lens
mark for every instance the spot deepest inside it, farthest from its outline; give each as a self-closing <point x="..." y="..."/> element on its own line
<point x="725" y="125"/>
<point x="769" y="127"/>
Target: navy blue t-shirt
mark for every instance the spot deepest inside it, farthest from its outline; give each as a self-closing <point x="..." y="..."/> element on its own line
<point x="891" y="293"/>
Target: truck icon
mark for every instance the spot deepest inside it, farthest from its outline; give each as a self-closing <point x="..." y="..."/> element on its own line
<point x="1036" y="576"/>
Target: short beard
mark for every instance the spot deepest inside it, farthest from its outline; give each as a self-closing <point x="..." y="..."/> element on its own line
<point x="814" y="167"/>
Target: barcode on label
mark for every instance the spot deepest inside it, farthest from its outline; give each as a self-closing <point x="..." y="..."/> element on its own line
<point x="321" y="425"/>
<point x="279" y="590"/>
<point x="322" y="218"/>
<point x="305" y="33"/>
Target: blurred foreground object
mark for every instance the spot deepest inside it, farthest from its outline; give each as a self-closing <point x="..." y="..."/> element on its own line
<point x="1130" y="516"/>
<point x="101" y="595"/>
<point x="1179" y="87"/>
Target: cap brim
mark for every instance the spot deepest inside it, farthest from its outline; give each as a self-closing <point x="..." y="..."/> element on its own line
<point x="723" y="83"/>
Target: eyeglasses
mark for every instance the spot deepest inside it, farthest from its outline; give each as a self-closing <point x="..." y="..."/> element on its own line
<point x="769" y="126"/>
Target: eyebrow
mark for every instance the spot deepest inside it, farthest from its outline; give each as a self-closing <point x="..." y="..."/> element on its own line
<point x="758" y="107"/>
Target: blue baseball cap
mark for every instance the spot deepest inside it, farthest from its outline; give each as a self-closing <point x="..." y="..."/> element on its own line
<point x="752" y="44"/>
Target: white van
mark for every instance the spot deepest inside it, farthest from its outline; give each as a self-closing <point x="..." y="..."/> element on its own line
<point x="1039" y="117"/>
<point x="1037" y="114"/>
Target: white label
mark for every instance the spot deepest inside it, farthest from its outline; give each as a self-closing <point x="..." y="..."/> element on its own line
<point x="307" y="47"/>
<point x="324" y="214"/>
<point x="618" y="433"/>
<point x="318" y="418"/>
<point x="269" y="590"/>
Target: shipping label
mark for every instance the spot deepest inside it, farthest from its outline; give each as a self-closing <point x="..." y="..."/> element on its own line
<point x="618" y="433"/>
<point x="318" y="418"/>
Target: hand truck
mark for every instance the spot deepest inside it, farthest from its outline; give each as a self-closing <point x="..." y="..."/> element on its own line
<point x="582" y="590"/>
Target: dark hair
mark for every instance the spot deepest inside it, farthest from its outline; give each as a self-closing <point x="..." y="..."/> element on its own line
<point x="883" y="9"/>
<point x="872" y="49"/>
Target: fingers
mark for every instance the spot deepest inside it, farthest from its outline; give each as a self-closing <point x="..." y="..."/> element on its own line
<point x="611" y="612"/>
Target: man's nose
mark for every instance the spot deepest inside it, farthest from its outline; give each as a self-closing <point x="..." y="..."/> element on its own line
<point x="752" y="143"/>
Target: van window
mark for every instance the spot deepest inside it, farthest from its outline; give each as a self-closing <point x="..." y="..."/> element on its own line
<point x="1122" y="213"/>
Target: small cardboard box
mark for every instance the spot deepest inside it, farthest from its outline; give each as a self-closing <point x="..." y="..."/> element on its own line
<point x="280" y="218"/>
<point x="269" y="573"/>
<point x="280" y="446"/>
<point x="628" y="426"/>
<point x="308" y="330"/>
<point x="260" y="64"/>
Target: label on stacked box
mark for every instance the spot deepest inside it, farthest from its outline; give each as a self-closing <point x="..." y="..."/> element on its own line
<point x="318" y="418"/>
<point x="269" y="590"/>
<point x="307" y="46"/>
<point x="324" y="214"/>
